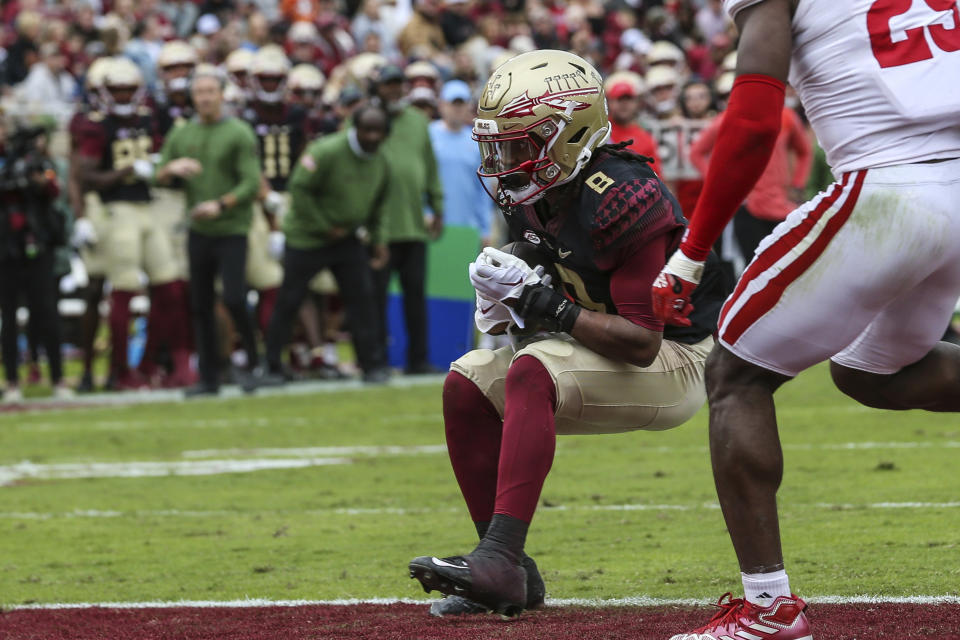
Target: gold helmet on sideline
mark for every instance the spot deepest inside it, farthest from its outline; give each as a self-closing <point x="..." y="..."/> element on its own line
<point x="305" y="82"/>
<point x="176" y="62"/>
<point x="268" y="76"/>
<point x="123" y="90"/>
<point x="540" y="117"/>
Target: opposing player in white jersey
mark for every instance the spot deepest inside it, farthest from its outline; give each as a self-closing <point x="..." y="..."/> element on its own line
<point x="866" y="274"/>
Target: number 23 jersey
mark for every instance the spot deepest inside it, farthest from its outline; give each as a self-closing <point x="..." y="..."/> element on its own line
<point x="877" y="78"/>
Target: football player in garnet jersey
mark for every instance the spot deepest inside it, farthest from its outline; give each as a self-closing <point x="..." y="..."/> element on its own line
<point x="282" y="135"/>
<point x="114" y="160"/>
<point x="607" y="223"/>
<point x="90" y="223"/>
<point x="866" y="274"/>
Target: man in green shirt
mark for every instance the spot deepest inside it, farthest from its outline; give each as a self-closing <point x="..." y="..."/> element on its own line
<point x="337" y="187"/>
<point x="414" y="180"/>
<point x="215" y="158"/>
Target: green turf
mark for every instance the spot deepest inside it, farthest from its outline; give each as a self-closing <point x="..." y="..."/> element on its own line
<point x="297" y="533"/>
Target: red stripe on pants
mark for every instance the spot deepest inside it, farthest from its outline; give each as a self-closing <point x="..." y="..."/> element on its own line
<point x="765" y="299"/>
<point x="772" y="254"/>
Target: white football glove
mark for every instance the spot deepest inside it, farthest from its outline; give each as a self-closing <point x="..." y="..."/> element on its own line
<point x="501" y="277"/>
<point x="84" y="233"/>
<point x="143" y="168"/>
<point x="275" y="204"/>
<point x="276" y="244"/>
<point x="490" y="314"/>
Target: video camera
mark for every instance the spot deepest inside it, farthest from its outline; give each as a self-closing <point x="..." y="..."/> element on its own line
<point x="23" y="160"/>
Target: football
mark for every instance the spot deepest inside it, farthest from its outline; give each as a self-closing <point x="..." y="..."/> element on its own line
<point x="528" y="252"/>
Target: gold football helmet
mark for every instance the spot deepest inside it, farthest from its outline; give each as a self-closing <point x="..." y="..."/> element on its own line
<point x="176" y="62"/>
<point x="305" y="83"/>
<point x="540" y="117"/>
<point x="268" y="77"/>
<point x="122" y="91"/>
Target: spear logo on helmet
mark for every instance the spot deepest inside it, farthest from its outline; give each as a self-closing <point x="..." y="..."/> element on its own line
<point x="523" y="105"/>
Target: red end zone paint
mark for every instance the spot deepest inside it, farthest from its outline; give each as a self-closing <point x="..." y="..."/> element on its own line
<point x="409" y="621"/>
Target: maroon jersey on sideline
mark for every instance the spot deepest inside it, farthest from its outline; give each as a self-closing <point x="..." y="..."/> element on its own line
<point x="116" y="143"/>
<point x="282" y="134"/>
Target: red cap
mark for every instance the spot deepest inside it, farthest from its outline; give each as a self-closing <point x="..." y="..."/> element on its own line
<point x="622" y="89"/>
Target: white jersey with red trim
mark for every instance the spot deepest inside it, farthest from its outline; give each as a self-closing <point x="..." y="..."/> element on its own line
<point x="877" y="78"/>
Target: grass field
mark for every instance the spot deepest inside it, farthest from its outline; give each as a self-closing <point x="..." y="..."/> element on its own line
<point x="327" y="496"/>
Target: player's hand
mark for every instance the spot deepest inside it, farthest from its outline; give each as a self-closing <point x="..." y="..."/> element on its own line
<point x="275" y="204"/>
<point x="381" y="256"/>
<point x="435" y="226"/>
<point x="143" y="169"/>
<point x="276" y="243"/>
<point x="184" y="167"/>
<point x="501" y="277"/>
<point x="673" y="288"/>
<point x="206" y="210"/>
<point x="84" y="233"/>
<point x="491" y="317"/>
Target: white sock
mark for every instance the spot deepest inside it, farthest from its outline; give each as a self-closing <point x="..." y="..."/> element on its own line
<point x="763" y="588"/>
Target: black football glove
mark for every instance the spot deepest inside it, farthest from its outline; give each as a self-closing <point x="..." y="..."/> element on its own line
<point x="545" y="305"/>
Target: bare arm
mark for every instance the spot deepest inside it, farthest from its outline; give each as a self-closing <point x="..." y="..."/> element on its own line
<point x="617" y="338"/>
<point x="92" y="178"/>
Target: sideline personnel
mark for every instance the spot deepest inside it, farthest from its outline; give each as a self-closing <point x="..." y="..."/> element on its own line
<point x="337" y="186"/>
<point x="216" y="157"/>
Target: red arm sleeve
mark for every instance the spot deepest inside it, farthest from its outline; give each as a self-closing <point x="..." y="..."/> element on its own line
<point x="702" y="147"/>
<point x="631" y="281"/>
<point x="799" y="143"/>
<point x="744" y="145"/>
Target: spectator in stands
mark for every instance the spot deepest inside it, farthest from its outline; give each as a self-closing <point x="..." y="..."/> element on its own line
<point x="422" y="35"/>
<point x="623" y="90"/>
<point x="458" y="159"/>
<point x="413" y="178"/>
<point x="24" y="51"/>
<point x="48" y="88"/>
<point x="216" y="157"/>
<point x="780" y="187"/>
<point x="338" y="187"/>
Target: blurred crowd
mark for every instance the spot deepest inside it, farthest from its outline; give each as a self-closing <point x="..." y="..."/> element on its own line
<point x="296" y="71"/>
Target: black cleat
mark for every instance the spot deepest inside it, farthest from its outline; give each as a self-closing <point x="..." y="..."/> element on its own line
<point x="456" y="606"/>
<point x="86" y="383"/>
<point x="459" y="606"/>
<point x="490" y="579"/>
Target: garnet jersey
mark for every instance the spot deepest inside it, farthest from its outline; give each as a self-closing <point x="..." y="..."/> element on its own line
<point x="282" y="133"/>
<point x="116" y="143"/>
<point x="621" y="206"/>
<point x="877" y="78"/>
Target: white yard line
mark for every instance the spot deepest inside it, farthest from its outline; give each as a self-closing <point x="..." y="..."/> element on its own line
<point x="400" y="511"/>
<point x="10" y="474"/>
<point x="230" y="392"/>
<point x="637" y="601"/>
<point x="310" y="452"/>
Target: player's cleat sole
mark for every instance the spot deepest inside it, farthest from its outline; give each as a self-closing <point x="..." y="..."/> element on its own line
<point x="456" y="606"/>
<point x="493" y="581"/>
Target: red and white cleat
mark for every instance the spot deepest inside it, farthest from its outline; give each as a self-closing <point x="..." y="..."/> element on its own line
<point x="742" y="620"/>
